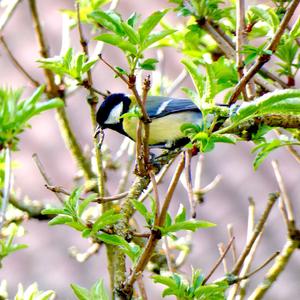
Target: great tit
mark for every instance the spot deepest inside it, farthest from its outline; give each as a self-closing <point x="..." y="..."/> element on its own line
<point x="167" y="116"/>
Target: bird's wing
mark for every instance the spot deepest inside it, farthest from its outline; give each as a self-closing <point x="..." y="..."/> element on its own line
<point x="158" y="107"/>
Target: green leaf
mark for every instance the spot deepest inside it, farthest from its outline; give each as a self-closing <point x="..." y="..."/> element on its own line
<point x="150" y="23"/>
<point x="155" y="37"/>
<point x="109" y="20"/>
<point x="133" y="36"/>
<point x="141" y="208"/>
<point x="191" y="225"/>
<point x="52" y="211"/>
<point x="111" y="239"/>
<point x="117" y="41"/>
<point x="197" y="78"/>
<point x="265" y="148"/>
<point x="83" y="205"/>
<point x="98" y="291"/>
<point x="148" y="64"/>
<point x="80" y="292"/>
<point x="60" y="220"/>
<point x="295" y="31"/>
<point x="107" y="218"/>
<point x="181" y="215"/>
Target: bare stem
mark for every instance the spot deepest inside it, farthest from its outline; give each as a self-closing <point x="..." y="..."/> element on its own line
<point x="283" y="192"/>
<point x="7" y="186"/>
<point x="5" y="17"/>
<point x="45" y="176"/>
<point x="218" y="262"/>
<point x="280" y="263"/>
<point x="17" y="63"/>
<point x="258" y="229"/>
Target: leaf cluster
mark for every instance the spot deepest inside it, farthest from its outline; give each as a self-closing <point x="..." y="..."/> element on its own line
<point x="70" y="64"/>
<point x="15" y="113"/>
<point x="181" y="288"/>
<point x="132" y="37"/>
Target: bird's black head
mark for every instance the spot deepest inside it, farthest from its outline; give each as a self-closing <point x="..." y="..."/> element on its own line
<point x="110" y="111"/>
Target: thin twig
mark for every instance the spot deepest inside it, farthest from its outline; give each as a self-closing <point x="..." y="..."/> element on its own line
<point x="17" y="63"/>
<point x="264" y="58"/>
<point x="189" y="185"/>
<point x="221" y="248"/>
<point x="258" y="229"/>
<point x="233" y="248"/>
<point x="266" y="262"/>
<point x="283" y="193"/>
<point x="142" y="288"/>
<point x="156" y="198"/>
<point x="8" y="13"/>
<point x="43" y="48"/>
<point x="7" y="186"/>
<point x="168" y="255"/>
<point x="276" y="269"/>
<point x="45" y="176"/>
<point x="218" y="262"/>
<point x="240" y="33"/>
<point x="61" y="190"/>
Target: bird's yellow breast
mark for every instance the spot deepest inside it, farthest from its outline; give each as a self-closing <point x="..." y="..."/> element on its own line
<point x="165" y="129"/>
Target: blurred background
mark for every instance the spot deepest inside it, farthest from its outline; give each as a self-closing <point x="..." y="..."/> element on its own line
<point x="47" y="260"/>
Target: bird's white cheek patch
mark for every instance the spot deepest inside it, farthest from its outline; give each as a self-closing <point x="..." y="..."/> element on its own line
<point x="115" y="114"/>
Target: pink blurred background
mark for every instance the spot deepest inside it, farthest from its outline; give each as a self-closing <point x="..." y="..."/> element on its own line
<point x="47" y="261"/>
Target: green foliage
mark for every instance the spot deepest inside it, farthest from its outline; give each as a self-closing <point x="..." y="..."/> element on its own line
<point x="253" y="52"/>
<point x="71" y="214"/>
<point x="180" y="223"/>
<point x="286" y="102"/>
<point x="15" y="113"/>
<point x="96" y="292"/>
<point x="129" y="36"/>
<point x="33" y="293"/>
<point x="7" y="245"/>
<point x="199" y="9"/>
<point x="86" y="7"/>
<point x="264" y="148"/>
<point x="184" y="290"/>
<point x="69" y="64"/>
<point x="132" y="250"/>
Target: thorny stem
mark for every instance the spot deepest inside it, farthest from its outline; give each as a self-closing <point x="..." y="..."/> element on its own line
<point x="258" y="228"/>
<point x="218" y="262"/>
<point x="7" y="185"/>
<point x="16" y="62"/>
<point x="265" y="57"/>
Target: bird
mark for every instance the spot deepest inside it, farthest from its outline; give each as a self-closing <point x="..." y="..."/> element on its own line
<point x="167" y="116"/>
